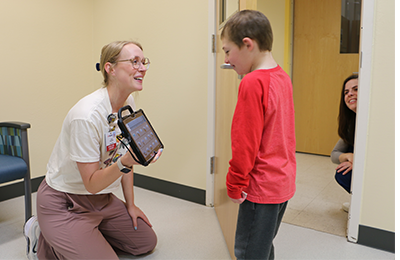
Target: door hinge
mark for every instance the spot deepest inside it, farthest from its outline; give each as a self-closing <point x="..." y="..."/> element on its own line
<point x="213" y="47"/>
<point x="212" y="164"/>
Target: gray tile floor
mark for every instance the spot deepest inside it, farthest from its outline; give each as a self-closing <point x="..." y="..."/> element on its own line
<point x="191" y="231"/>
<point x="317" y="203"/>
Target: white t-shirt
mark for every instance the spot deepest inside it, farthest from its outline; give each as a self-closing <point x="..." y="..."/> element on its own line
<point x="83" y="139"/>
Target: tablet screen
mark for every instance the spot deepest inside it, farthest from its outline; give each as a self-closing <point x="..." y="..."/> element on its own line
<point x="144" y="140"/>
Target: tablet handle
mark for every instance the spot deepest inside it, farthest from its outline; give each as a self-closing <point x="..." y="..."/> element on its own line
<point x="128" y="107"/>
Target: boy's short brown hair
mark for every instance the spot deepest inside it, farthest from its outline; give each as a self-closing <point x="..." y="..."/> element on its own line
<point x="252" y="24"/>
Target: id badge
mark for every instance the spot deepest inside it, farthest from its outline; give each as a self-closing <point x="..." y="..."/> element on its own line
<point x="111" y="141"/>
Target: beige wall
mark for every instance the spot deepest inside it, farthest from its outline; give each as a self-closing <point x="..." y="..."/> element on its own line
<point x="49" y="50"/>
<point x="174" y="35"/>
<point x="46" y="66"/>
<point x="275" y="12"/>
<point x="378" y="199"/>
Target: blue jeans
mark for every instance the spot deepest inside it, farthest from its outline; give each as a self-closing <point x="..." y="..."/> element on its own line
<point x="344" y="180"/>
<point x="256" y="229"/>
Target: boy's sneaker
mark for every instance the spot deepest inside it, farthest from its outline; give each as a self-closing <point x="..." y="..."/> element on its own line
<point x="31" y="233"/>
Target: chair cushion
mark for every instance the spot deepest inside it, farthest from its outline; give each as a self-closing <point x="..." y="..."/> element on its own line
<point x="12" y="168"/>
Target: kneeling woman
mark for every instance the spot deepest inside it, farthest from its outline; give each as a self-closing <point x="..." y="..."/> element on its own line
<point x="78" y="214"/>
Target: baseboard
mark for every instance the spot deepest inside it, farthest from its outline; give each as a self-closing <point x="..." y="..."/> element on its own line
<point x="17" y="189"/>
<point x="376" y="238"/>
<point x="165" y="187"/>
<point x="171" y="189"/>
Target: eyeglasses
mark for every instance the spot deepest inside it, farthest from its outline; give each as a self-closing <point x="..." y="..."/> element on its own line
<point x="136" y="62"/>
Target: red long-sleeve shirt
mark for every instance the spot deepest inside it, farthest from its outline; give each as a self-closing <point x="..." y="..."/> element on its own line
<point x="263" y="160"/>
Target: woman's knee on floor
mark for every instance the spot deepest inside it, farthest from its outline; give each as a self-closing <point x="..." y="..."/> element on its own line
<point x="150" y="242"/>
<point x="144" y="242"/>
<point x="344" y="180"/>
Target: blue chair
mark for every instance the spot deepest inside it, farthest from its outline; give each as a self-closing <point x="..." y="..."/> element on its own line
<point x="14" y="158"/>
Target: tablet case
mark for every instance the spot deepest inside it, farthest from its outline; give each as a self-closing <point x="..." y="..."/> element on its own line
<point x="142" y="137"/>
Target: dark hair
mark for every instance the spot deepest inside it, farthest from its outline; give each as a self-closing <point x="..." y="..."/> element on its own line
<point x="252" y="24"/>
<point x="347" y="117"/>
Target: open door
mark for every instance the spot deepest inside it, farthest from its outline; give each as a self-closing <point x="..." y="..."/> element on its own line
<point x="319" y="69"/>
<point x="227" y="83"/>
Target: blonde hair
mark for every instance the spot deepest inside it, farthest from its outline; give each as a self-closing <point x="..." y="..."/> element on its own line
<point x="110" y="53"/>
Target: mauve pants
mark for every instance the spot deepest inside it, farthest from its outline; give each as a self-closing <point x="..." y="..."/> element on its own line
<point x="88" y="227"/>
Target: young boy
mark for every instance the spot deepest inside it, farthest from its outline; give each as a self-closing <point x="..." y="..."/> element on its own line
<point x="262" y="170"/>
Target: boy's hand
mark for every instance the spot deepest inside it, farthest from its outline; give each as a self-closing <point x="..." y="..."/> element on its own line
<point x="240" y="201"/>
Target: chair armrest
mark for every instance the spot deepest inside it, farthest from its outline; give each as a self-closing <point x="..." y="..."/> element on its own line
<point x="15" y="124"/>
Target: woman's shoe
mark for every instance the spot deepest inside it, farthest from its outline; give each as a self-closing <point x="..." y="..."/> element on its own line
<point x="31" y="233"/>
<point x="346" y="206"/>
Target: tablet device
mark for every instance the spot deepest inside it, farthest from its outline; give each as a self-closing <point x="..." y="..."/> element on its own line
<point x="142" y="137"/>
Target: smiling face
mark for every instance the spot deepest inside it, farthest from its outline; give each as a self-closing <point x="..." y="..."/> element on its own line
<point x="125" y="76"/>
<point x="238" y="58"/>
<point x="350" y="94"/>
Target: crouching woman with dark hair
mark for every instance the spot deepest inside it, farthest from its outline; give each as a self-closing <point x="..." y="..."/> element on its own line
<point x="342" y="153"/>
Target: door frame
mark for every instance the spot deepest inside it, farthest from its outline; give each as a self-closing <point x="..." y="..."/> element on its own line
<point x="361" y="138"/>
<point x="211" y="87"/>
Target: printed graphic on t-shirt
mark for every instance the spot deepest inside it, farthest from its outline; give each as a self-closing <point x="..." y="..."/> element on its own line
<point x="114" y="147"/>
